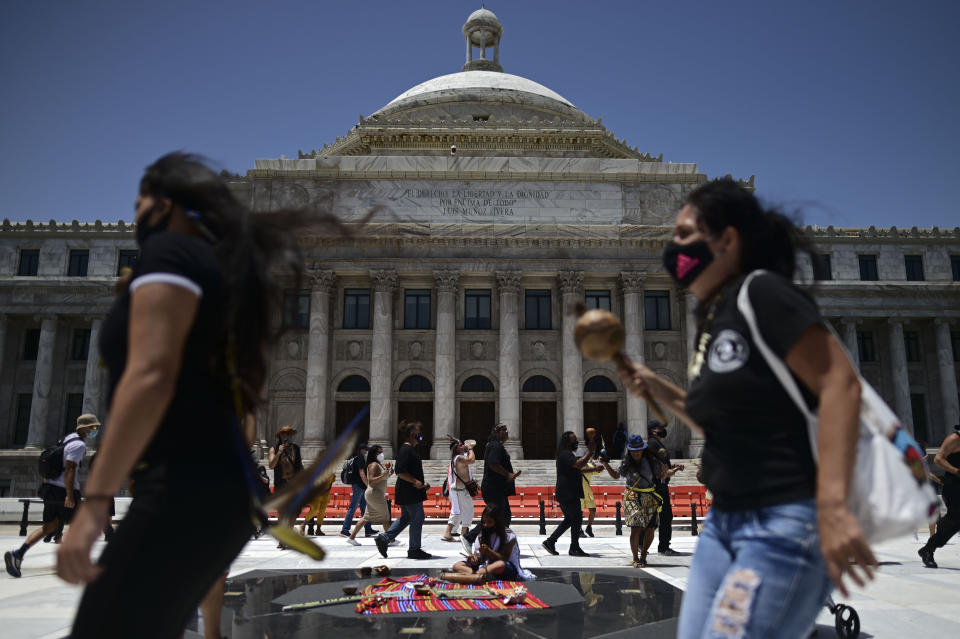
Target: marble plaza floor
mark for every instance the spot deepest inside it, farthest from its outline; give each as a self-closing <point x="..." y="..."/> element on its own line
<point x="906" y="599"/>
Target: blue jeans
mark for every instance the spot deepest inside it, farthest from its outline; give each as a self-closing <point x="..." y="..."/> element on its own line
<point x="756" y="573"/>
<point x="410" y="515"/>
<point x="357" y="500"/>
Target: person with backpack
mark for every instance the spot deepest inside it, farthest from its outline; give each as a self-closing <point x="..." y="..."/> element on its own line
<point x="60" y="487"/>
<point x="780" y="528"/>
<point x="354" y="474"/>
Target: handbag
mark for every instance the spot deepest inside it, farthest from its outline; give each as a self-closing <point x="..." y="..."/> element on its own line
<point x="471" y="485"/>
<point x="890" y="493"/>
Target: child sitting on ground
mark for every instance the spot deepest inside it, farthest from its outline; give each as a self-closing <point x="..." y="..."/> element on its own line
<point x="496" y="554"/>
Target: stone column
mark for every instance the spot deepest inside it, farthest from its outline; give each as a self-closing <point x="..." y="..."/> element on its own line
<point x="632" y="285"/>
<point x="571" y="288"/>
<point x="948" y="379"/>
<point x="445" y="364"/>
<point x="91" y="380"/>
<point x="317" y="431"/>
<point x="381" y="364"/>
<point x="850" y="340"/>
<point x="697" y="441"/>
<point x="898" y="369"/>
<point x="3" y="336"/>
<point x="508" y="283"/>
<point x="42" y="377"/>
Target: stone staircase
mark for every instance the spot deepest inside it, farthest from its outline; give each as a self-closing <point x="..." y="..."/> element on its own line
<point x="543" y="472"/>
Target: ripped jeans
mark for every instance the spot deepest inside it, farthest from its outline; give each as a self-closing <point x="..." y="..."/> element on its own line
<point x="756" y="573"/>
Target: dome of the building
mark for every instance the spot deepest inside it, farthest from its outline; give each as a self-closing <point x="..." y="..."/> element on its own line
<point x="473" y="81"/>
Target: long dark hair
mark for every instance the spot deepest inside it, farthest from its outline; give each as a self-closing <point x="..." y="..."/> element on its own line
<point x="373" y="452"/>
<point x="769" y="239"/>
<point x="499" y="517"/>
<point x="254" y="251"/>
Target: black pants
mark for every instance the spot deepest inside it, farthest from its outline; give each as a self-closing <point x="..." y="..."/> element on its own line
<point x="949" y="524"/>
<point x="666" y="518"/>
<point x="572" y="520"/>
<point x="182" y="531"/>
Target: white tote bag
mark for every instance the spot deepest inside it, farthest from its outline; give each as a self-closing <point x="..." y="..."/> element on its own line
<point x="890" y="494"/>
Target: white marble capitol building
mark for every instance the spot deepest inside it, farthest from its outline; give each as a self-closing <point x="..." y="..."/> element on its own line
<point x="500" y="205"/>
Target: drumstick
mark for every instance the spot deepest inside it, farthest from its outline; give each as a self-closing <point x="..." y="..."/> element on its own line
<point x="600" y="337"/>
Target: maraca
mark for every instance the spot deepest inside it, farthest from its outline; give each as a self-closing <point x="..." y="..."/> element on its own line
<point x="600" y="336"/>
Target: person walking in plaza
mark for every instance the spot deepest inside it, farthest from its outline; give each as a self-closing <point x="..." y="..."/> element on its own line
<point x="185" y="345"/>
<point x="588" y="472"/>
<point x="285" y="460"/>
<point x="658" y="432"/>
<point x="377" y="472"/>
<point x="569" y="492"/>
<point x="318" y="507"/>
<point x="411" y="492"/>
<point x="780" y="528"/>
<point x="947" y="458"/>
<point x="460" y="480"/>
<point x="60" y="495"/>
<point x="619" y="441"/>
<point x="641" y="500"/>
<point x="498" y="482"/>
<point x="358" y="485"/>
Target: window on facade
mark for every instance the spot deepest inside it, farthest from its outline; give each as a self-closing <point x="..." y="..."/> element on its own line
<point x="868" y="268"/>
<point x="865" y="348"/>
<point x="29" y="262"/>
<point x="416" y="309"/>
<point x="416" y="384"/>
<point x="31" y="344"/>
<point x="476" y="311"/>
<point x="74" y="410"/>
<point x="955" y="267"/>
<point x="599" y="384"/>
<point x="354" y="384"/>
<point x="80" y="346"/>
<point x="538" y="310"/>
<point x="296" y="309"/>
<point x="911" y="342"/>
<point x="914" y="267"/>
<point x="5" y="487"/>
<point x="656" y="307"/>
<point x="955" y="342"/>
<point x="822" y="267"/>
<point x="918" y="407"/>
<point x="22" y="426"/>
<point x="597" y="299"/>
<point x="539" y="384"/>
<point x="356" y="308"/>
<point x="79" y="260"/>
<point x="127" y="259"/>
<point x="477" y="384"/>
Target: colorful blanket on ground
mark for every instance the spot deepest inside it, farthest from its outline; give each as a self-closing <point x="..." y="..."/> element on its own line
<point x="396" y="595"/>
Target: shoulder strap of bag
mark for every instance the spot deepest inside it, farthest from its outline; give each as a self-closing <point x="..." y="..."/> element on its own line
<point x="453" y="466"/>
<point x="776" y="364"/>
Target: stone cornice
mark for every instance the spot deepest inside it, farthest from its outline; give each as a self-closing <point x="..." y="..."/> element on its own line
<point x="486" y="242"/>
<point x="67" y="228"/>
<point x="553" y="176"/>
<point x="872" y="232"/>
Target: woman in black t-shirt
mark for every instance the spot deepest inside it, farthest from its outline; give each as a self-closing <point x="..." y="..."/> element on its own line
<point x="761" y="567"/>
<point x="185" y="345"/>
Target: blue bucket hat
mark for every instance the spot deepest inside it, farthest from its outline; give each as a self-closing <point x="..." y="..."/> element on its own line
<point x="635" y="442"/>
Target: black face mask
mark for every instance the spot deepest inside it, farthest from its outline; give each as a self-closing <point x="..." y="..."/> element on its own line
<point x="686" y="263"/>
<point x="144" y="231"/>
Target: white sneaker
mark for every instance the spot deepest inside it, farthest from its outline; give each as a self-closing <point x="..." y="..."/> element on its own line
<point x="353" y="542"/>
<point x="395" y="542"/>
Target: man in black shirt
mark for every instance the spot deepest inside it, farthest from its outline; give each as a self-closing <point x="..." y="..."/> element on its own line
<point x="358" y="498"/>
<point x="658" y="431"/>
<point x="411" y="492"/>
<point x="947" y="458"/>
<point x="570" y="492"/>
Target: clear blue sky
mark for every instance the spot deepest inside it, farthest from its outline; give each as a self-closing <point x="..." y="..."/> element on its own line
<point x="846" y="108"/>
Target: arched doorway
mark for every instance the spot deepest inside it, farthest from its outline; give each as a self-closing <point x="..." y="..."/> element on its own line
<point x="415" y="403"/>
<point x="601" y="406"/>
<point x="477" y="410"/>
<point x="538" y="418"/>
<point x="353" y="395"/>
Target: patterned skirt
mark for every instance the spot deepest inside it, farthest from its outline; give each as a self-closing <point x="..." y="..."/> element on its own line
<point x="640" y="509"/>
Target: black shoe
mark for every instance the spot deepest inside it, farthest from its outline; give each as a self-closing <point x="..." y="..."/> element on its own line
<point x="669" y="552"/>
<point x="550" y="546"/>
<point x="382" y="544"/>
<point x="12" y="559"/>
<point x="925" y="554"/>
<point x="418" y="554"/>
<point x="578" y="552"/>
<point x="47" y="539"/>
